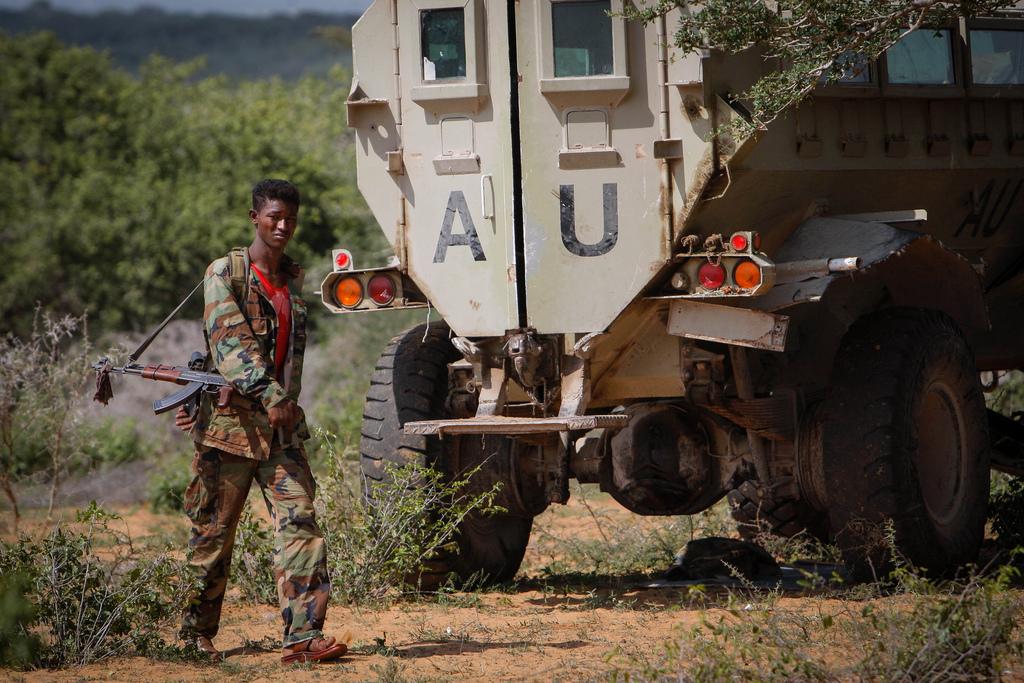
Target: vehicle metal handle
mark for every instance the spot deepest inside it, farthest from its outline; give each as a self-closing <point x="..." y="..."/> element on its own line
<point x="486" y="180"/>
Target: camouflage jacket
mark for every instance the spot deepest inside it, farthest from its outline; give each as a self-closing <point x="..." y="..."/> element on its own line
<point x="241" y="341"/>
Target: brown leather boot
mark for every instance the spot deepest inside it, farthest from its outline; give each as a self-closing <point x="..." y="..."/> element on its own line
<point x="313" y="650"/>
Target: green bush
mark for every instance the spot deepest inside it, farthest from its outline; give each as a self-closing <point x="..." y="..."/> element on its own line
<point x="957" y="631"/>
<point x="19" y="646"/>
<point x="91" y="606"/>
<point x="110" y="442"/>
<point x="1006" y="510"/>
<point x="252" y="563"/>
<point x="379" y="546"/>
<point x="373" y="548"/>
<point x="167" y="485"/>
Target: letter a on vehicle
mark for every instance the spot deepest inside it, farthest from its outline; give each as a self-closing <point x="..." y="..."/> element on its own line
<point x="457" y="204"/>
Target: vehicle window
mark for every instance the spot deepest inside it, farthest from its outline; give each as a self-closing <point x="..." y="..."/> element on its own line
<point x="997" y="57"/>
<point x="443" y="40"/>
<point x="925" y="57"/>
<point x="582" y="37"/>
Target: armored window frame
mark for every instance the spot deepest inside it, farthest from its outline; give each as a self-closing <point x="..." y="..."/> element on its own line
<point x="469" y="91"/>
<point x="988" y="90"/>
<point x="464" y="61"/>
<point x="930" y="90"/>
<point x="613" y="86"/>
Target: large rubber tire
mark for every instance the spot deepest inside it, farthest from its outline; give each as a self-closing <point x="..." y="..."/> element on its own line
<point x="906" y="440"/>
<point x="410" y="383"/>
<point x="781" y="517"/>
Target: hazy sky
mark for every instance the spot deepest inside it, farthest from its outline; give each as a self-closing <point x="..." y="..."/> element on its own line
<point x="250" y="7"/>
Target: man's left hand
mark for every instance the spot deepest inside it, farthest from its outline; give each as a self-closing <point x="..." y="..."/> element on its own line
<point x="184" y="421"/>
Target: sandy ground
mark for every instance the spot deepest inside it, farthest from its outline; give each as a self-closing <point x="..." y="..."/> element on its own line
<point x="545" y="628"/>
<point x="525" y="636"/>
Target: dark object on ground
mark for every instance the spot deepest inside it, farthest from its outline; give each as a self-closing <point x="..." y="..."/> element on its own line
<point x="709" y="558"/>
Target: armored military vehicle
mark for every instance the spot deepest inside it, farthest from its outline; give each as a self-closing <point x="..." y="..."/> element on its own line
<point x="796" y="319"/>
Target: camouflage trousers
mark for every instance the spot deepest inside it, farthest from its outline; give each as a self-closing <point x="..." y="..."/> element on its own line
<point x="214" y="502"/>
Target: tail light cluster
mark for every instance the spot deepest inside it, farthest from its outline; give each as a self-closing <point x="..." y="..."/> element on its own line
<point x="347" y="289"/>
<point x="733" y="267"/>
<point x="359" y="290"/>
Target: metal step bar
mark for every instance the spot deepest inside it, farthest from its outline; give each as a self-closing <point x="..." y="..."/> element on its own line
<point x="516" y="425"/>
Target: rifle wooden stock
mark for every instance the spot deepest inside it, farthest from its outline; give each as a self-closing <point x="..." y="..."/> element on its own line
<point x="163" y="373"/>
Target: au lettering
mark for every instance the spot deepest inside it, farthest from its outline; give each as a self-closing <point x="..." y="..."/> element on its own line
<point x="989" y="209"/>
<point x="457" y="204"/>
<point x="567" y="211"/>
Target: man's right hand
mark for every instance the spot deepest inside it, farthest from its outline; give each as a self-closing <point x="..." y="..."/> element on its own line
<point x="284" y="415"/>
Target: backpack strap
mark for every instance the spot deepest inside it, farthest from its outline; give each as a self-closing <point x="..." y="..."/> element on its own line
<point x="239" y="271"/>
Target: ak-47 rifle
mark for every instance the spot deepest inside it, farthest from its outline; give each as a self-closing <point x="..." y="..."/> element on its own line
<point x="193" y="377"/>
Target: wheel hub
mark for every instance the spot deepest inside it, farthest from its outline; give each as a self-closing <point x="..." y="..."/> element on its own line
<point x="939" y="456"/>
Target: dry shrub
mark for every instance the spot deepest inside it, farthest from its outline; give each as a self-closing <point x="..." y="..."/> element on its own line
<point x="910" y="629"/>
<point x="252" y="563"/>
<point x="377" y="547"/>
<point x="624" y="547"/>
<point x="42" y="377"/>
<point x="91" y="596"/>
<point x="950" y="631"/>
<point x="381" y="544"/>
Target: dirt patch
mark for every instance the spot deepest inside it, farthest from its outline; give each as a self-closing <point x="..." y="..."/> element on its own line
<point x="550" y="625"/>
<point x="523" y="636"/>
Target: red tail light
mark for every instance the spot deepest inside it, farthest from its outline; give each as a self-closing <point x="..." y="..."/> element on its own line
<point x="711" y="276"/>
<point x="738" y="242"/>
<point x="381" y="289"/>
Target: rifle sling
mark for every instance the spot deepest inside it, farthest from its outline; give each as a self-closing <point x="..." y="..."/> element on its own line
<point x="134" y="357"/>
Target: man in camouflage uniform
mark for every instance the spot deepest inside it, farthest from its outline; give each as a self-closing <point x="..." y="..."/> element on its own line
<point x="255" y="330"/>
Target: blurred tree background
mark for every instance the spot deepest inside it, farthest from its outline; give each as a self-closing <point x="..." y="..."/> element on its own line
<point x="121" y="186"/>
<point x="129" y="144"/>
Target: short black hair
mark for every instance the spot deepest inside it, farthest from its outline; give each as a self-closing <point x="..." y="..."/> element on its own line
<point x="273" y="188"/>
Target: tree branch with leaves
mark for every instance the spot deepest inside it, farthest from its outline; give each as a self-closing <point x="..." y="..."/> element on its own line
<point x="811" y="41"/>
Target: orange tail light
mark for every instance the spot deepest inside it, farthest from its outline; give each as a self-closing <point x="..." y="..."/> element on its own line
<point x="747" y="275"/>
<point x="349" y="292"/>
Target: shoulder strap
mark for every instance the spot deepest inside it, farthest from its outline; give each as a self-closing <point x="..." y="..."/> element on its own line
<point x="296" y="275"/>
<point x="137" y="353"/>
<point x="239" y="270"/>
